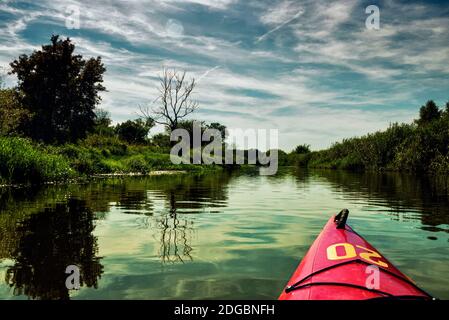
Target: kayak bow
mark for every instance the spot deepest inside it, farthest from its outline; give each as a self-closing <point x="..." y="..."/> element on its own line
<point x="341" y="265"/>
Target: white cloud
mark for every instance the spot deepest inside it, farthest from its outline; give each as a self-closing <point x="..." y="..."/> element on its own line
<point x="365" y="51"/>
<point x="216" y="4"/>
<point x="282" y="12"/>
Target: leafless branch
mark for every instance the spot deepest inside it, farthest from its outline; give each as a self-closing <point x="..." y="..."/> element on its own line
<point x="175" y="100"/>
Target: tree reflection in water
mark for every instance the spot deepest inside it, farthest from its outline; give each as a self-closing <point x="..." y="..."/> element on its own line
<point x="176" y="235"/>
<point x="184" y="195"/>
<point x="42" y="232"/>
<point x="47" y="242"/>
<point x="407" y="196"/>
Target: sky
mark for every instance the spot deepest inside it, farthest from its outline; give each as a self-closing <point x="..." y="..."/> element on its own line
<point x="311" y="69"/>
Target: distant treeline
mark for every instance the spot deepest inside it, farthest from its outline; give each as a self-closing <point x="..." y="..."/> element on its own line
<point x="421" y="146"/>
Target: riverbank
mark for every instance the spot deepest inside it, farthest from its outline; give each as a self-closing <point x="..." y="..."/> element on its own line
<point x="23" y="161"/>
<point x="419" y="147"/>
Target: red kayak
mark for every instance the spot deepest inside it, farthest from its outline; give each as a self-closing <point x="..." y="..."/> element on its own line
<point x="341" y="265"/>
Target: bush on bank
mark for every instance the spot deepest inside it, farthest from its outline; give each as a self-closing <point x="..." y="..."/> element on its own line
<point x="25" y="161"/>
<point x="422" y="146"/>
<point x="22" y="161"/>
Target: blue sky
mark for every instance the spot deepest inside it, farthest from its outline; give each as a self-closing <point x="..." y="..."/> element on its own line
<point x="308" y="68"/>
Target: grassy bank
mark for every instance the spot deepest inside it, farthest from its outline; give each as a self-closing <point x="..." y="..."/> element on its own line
<point x="24" y="161"/>
<point x="422" y="146"/>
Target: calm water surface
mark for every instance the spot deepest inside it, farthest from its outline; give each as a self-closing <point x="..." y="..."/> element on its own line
<point x="215" y="236"/>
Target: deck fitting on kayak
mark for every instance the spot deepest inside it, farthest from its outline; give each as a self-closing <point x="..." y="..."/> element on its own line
<point x="340" y="219"/>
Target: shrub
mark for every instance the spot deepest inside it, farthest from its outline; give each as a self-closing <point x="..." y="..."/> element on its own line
<point x="419" y="147"/>
<point x="159" y="161"/>
<point x="110" y="144"/>
<point x="134" y="131"/>
<point x="22" y="161"/>
<point x="302" y="149"/>
<point x="137" y="163"/>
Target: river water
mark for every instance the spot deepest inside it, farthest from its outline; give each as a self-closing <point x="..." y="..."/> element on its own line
<point x="214" y="236"/>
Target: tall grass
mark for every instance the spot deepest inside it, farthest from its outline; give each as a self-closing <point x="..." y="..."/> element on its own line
<point x="22" y="161"/>
<point x="402" y="147"/>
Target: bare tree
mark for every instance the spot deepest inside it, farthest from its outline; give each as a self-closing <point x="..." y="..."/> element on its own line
<point x="175" y="98"/>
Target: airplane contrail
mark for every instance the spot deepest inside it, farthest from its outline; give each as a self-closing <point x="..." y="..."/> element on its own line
<point x="207" y="72"/>
<point x="262" y="37"/>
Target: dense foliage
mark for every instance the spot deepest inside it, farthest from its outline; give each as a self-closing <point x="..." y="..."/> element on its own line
<point x="134" y="131"/>
<point x="23" y="161"/>
<point x="60" y="90"/>
<point x="13" y="116"/>
<point x="419" y="147"/>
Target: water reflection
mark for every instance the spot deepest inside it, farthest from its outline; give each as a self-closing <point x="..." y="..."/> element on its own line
<point x="47" y="242"/>
<point x="176" y="236"/>
<point x="45" y="230"/>
<point x="409" y="197"/>
<point x="203" y="236"/>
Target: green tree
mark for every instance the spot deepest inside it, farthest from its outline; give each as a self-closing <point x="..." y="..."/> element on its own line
<point x="188" y="126"/>
<point x="302" y="149"/>
<point x="13" y="116"/>
<point x="220" y="127"/>
<point x="134" y="131"/>
<point x="60" y="89"/>
<point x="429" y="113"/>
<point x="161" y="140"/>
<point x="103" y="123"/>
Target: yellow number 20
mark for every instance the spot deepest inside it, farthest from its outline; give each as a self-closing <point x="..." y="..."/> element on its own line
<point x="350" y="252"/>
<point x="368" y="256"/>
